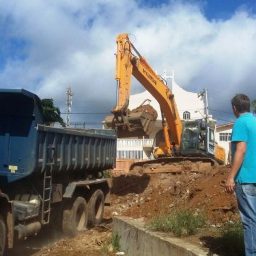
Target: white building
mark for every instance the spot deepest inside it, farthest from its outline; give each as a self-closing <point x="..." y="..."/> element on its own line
<point x="190" y="105"/>
<point x="223" y="138"/>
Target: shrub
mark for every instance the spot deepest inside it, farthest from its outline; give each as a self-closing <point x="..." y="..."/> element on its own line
<point x="182" y="223"/>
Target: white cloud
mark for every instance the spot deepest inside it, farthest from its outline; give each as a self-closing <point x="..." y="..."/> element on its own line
<point x="73" y="43"/>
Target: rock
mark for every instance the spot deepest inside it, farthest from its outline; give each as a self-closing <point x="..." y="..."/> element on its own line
<point x="147" y="199"/>
<point x="110" y="248"/>
<point x="120" y="253"/>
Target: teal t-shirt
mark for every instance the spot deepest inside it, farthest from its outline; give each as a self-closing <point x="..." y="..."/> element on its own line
<point x="244" y="130"/>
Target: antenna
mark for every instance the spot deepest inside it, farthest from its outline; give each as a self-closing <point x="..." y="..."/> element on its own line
<point x="69" y="104"/>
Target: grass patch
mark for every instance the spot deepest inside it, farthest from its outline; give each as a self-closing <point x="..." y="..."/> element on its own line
<point x="115" y="242"/>
<point x="111" y="246"/>
<point x="181" y="223"/>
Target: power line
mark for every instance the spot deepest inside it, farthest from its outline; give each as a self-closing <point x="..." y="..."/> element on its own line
<point x="225" y="120"/>
<point x="84" y="113"/>
<point x="85" y="123"/>
<point x="106" y="113"/>
<point x="222" y="111"/>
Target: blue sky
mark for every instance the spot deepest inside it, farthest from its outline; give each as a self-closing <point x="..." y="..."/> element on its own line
<point x="224" y="9"/>
<point x="46" y="46"/>
<point x="213" y="9"/>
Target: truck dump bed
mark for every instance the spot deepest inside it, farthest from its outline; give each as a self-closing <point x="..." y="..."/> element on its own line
<point x="28" y="147"/>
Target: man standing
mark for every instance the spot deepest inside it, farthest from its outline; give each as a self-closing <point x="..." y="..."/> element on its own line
<point x="242" y="177"/>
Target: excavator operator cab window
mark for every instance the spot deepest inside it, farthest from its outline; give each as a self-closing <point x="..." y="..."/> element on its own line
<point x="190" y="136"/>
<point x="202" y="140"/>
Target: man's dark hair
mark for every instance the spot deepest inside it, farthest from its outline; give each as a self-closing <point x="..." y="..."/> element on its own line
<point x="241" y="102"/>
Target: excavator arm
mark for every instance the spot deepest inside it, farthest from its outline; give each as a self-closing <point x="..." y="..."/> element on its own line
<point x="130" y="63"/>
<point x="186" y="140"/>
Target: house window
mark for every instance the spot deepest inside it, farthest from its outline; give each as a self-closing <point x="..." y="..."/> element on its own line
<point x="186" y="115"/>
<point x="225" y="136"/>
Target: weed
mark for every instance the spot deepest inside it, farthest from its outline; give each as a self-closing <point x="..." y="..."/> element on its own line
<point x="111" y="246"/>
<point x="107" y="174"/>
<point x="182" y="223"/>
<point x="116" y="242"/>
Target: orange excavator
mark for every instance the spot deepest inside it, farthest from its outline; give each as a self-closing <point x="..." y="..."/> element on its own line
<point x="190" y="139"/>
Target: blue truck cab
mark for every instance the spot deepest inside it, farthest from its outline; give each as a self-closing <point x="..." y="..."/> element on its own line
<point x="20" y="113"/>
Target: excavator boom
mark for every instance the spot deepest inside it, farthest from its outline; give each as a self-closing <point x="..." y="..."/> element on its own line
<point x="130" y="63"/>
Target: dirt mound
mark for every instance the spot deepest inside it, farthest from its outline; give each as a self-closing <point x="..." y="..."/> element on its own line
<point x="147" y="195"/>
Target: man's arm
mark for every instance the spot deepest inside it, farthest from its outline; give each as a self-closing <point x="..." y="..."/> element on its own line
<point x="236" y="164"/>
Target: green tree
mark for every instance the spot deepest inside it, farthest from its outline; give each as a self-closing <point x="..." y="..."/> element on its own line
<point x="254" y="106"/>
<point x="51" y="113"/>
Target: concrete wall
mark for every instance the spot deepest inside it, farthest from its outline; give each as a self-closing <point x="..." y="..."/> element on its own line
<point x="136" y="240"/>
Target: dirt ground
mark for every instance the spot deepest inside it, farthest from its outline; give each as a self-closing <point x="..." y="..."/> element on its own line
<point x="154" y="191"/>
<point x="187" y="186"/>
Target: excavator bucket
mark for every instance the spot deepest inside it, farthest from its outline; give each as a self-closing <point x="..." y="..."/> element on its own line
<point x="137" y="123"/>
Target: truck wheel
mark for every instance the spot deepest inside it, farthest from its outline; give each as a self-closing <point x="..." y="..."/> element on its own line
<point x="2" y="236"/>
<point x="96" y="208"/>
<point x="75" y="218"/>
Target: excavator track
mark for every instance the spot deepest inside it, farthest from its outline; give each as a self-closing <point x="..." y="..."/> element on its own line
<point x="176" y="164"/>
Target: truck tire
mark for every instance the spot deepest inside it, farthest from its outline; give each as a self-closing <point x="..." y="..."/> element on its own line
<point x="75" y="218"/>
<point x="2" y="236"/>
<point x="96" y="208"/>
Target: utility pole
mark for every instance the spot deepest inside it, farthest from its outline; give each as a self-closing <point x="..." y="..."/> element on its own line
<point x="204" y="95"/>
<point x="206" y="104"/>
<point x="69" y="105"/>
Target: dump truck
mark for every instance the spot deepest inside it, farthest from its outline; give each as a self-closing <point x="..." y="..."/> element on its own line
<point x="48" y="174"/>
<point x="182" y="140"/>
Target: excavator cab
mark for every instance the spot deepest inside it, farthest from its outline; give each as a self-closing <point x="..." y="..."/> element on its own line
<point x="190" y="135"/>
<point x="198" y="140"/>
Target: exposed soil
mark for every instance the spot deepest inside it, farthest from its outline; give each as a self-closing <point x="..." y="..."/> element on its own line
<point x="160" y="190"/>
<point x="148" y="195"/>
